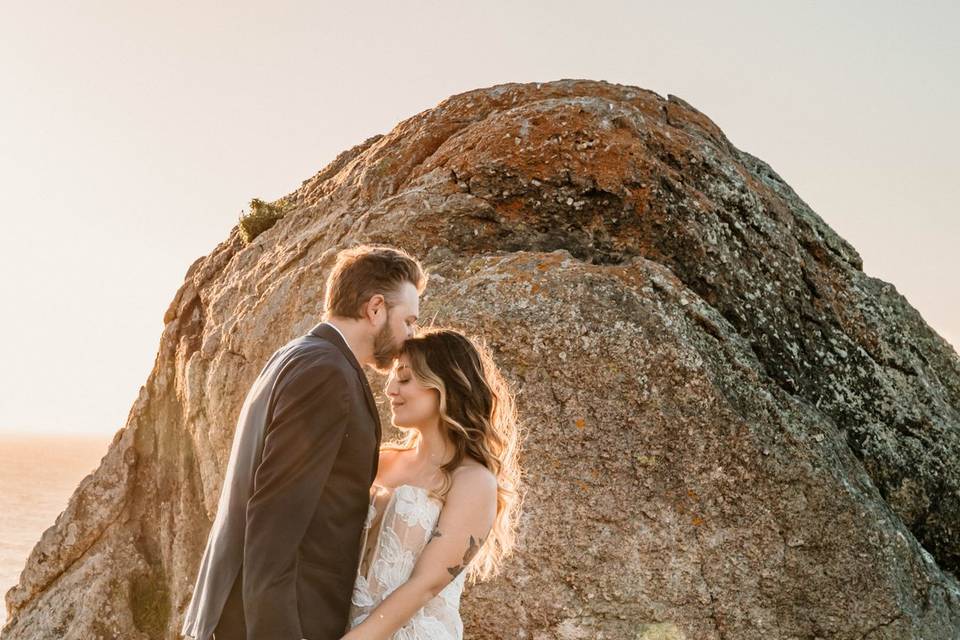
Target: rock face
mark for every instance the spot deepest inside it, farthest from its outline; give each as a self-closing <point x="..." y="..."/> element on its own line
<point x="732" y="431"/>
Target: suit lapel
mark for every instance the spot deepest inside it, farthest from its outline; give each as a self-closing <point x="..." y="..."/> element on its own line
<point x="331" y="334"/>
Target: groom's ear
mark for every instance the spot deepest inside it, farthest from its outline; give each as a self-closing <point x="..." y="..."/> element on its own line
<point x="376" y="306"/>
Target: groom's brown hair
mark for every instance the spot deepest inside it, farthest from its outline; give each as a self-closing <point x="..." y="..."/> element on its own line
<point x="365" y="270"/>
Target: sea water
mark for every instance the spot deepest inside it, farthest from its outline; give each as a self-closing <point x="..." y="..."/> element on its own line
<point x="38" y="474"/>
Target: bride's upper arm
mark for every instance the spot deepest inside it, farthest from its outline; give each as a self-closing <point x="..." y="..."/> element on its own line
<point x="463" y="526"/>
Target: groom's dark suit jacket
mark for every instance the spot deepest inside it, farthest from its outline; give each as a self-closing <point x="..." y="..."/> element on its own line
<point x="283" y="551"/>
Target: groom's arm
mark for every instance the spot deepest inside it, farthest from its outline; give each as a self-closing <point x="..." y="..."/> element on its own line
<point x="301" y="444"/>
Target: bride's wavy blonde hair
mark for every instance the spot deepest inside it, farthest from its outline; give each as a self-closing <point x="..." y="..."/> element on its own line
<point x="478" y="414"/>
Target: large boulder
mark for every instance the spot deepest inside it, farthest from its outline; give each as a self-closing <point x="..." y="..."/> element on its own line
<point x="731" y="431"/>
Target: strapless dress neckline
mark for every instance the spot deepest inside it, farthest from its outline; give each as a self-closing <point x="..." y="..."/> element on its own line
<point x="400" y="485"/>
<point x="411" y="486"/>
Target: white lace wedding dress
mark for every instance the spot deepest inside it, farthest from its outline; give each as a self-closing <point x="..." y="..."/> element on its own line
<point x="400" y="521"/>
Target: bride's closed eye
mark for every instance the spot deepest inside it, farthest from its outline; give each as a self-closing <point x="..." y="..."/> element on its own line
<point x="400" y="380"/>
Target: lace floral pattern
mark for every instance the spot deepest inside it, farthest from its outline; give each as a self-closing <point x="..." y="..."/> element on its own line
<point x="415" y="507"/>
<point x="408" y="517"/>
<point x="394" y="563"/>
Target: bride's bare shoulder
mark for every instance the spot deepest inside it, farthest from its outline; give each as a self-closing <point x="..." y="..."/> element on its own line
<point x="474" y="474"/>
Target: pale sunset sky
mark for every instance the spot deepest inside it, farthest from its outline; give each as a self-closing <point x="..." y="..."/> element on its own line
<point x="132" y="135"/>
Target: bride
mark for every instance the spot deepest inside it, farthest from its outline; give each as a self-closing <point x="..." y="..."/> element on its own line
<point x="445" y="501"/>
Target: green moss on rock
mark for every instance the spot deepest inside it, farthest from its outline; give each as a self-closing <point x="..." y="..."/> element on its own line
<point x="150" y="604"/>
<point x="262" y="216"/>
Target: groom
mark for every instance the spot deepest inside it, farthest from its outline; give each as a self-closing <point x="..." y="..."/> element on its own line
<point x="282" y="554"/>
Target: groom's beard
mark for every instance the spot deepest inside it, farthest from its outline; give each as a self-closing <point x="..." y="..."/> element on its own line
<point x="385" y="347"/>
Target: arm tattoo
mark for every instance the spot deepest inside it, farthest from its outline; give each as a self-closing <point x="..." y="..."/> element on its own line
<point x="467" y="556"/>
<point x="435" y="533"/>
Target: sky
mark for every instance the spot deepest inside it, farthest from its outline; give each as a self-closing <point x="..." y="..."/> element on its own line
<point x="133" y="134"/>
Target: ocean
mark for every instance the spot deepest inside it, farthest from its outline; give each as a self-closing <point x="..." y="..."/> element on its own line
<point x="38" y="474"/>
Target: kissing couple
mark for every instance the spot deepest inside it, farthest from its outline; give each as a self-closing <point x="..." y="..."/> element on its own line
<point x="324" y="533"/>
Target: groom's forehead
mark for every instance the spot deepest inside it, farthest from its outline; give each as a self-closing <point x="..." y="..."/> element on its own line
<point x="409" y="294"/>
